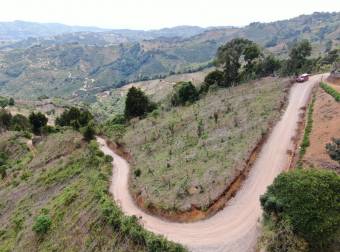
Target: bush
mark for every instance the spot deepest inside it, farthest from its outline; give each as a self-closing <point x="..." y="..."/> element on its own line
<point x="11" y="102"/>
<point x="333" y="149"/>
<point x="310" y="201"/>
<point x="3" y="102"/>
<point x="20" y="123"/>
<point x="308" y="130"/>
<point x="184" y="93"/>
<point x="89" y="132"/>
<point x="42" y="224"/>
<point x="214" y="78"/>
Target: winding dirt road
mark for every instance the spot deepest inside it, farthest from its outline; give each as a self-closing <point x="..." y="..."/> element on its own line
<point x="236" y="227"/>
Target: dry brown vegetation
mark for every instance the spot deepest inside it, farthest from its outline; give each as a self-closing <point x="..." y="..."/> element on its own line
<point x="187" y="156"/>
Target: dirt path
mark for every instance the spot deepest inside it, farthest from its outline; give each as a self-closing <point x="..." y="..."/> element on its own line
<point x="235" y="228"/>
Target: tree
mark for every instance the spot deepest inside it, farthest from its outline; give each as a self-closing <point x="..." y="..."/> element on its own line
<point x="89" y="132"/>
<point x="229" y="57"/>
<point x="38" y="121"/>
<point x="310" y="201"/>
<point x="5" y="119"/>
<point x="298" y="56"/>
<point x="184" y="92"/>
<point x="137" y="104"/>
<point x="3" y="102"/>
<point x="42" y="224"/>
<point x="333" y="149"/>
<point x="268" y="66"/>
<point x="20" y="123"/>
<point x="11" y="102"/>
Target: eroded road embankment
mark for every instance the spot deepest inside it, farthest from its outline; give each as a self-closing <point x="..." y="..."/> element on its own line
<point x="235" y="228"/>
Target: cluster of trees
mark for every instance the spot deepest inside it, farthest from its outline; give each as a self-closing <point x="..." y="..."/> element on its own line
<point x="241" y="60"/>
<point x="303" y="206"/>
<point x="80" y="120"/>
<point x="4" y="102"/>
<point x="36" y="122"/>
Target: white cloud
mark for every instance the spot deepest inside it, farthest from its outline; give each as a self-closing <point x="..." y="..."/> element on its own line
<point x="150" y="14"/>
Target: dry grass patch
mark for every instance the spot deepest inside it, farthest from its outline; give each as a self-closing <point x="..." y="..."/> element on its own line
<point x="187" y="156"/>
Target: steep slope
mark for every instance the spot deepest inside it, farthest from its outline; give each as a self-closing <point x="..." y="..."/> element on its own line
<point x="65" y="180"/>
<point x="235" y="228"/>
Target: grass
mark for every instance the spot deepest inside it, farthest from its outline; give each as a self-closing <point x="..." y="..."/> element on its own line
<point x="67" y="191"/>
<point x="331" y="91"/>
<point x="188" y="156"/>
<point x="308" y="130"/>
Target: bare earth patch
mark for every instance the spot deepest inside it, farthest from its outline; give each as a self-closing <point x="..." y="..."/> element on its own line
<point x="326" y="124"/>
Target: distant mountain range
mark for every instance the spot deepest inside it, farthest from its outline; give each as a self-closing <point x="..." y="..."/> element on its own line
<point x="81" y="63"/>
<point x="21" y="30"/>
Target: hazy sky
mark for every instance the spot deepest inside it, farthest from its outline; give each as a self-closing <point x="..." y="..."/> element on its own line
<point x="150" y="14"/>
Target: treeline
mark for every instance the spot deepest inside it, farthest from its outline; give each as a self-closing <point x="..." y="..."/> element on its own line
<point x="241" y="60"/>
<point x="36" y="122"/>
<point x="79" y="119"/>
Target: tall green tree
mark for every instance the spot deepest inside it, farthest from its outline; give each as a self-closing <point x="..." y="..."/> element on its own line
<point x="310" y="201"/>
<point x="5" y="119"/>
<point x="229" y="57"/>
<point x="298" y="57"/>
<point x="137" y="104"/>
<point x="38" y="121"/>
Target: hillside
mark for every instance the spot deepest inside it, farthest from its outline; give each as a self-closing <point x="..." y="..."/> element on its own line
<point x="184" y="157"/>
<point x="84" y="67"/>
<point x="65" y="180"/>
<point x="19" y="30"/>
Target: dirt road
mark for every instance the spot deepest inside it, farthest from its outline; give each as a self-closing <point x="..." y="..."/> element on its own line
<point x="235" y="228"/>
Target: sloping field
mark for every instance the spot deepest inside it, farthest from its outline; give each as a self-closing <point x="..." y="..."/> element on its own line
<point x="186" y="157"/>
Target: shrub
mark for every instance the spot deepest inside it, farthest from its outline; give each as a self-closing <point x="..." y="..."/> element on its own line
<point x="333" y="149"/>
<point x="305" y="141"/>
<point x="3" y="102"/>
<point x="214" y="78"/>
<point x="310" y="201"/>
<point x="11" y="102"/>
<point x="89" y="132"/>
<point x="281" y="237"/>
<point x="184" y="93"/>
<point x="20" y="123"/>
<point x="42" y="224"/>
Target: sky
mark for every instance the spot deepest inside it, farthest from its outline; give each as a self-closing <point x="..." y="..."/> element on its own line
<point x="154" y="14"/>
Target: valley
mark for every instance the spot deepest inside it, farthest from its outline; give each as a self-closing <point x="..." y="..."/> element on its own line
<point x="214" y="139"/>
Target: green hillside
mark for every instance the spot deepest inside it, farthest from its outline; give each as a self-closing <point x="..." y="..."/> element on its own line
<point x="79" y="70"/>
<point x="54" y="197"/>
